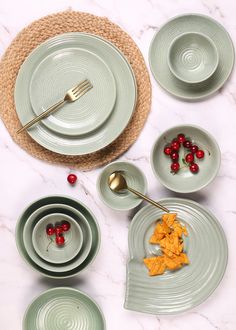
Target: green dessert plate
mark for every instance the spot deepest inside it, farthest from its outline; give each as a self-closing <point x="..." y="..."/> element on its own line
<point x="180" y="290"/>
<point x="159" y="50"/>
<point x="63" y="308"/>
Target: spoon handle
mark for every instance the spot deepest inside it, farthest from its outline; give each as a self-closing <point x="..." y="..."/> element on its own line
<point x="139" y="194"/>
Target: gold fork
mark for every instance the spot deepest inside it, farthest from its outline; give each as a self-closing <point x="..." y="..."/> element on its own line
<point x="71" y="95"/>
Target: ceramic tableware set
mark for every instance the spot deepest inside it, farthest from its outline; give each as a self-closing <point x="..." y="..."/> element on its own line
<point x="191" y="57"/>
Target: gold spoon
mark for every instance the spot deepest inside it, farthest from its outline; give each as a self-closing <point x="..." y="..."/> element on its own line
<point x="118" y="183"/>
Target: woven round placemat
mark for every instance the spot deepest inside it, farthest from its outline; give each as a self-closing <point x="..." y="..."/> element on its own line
<point x="47" y="27"/>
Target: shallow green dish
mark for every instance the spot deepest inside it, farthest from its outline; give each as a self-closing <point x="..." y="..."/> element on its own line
<point x="175" y="291"/>
<point x="135" y="179"/>
<point x="126" y="95"/>
<point x="63" y="308"/>
<point x="67" y="201"/>
<point x="184" y="181"/>
<point x="46" y="247"/>
<point x="66" y="68"/>
<point x="158" y="55"/>
<point x="46" y="210"/>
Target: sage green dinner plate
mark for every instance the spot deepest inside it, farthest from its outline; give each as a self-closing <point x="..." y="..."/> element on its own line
<point x="63" y="308"/>
<point x="126" y="94"/>
<point x="175" y="291"/>
<point x="46" y="246"/>
<point x="125" y="200"/>
<point x="60" y="71"/>
<point x="64" y="202"/>
<point x="159" y="48"/>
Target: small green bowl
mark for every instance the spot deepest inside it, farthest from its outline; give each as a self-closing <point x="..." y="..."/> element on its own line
<point x="64" y="201"/>
<point x="46" y="247"/>
<point x="135" y="179"/>
<point x="63" y="308"/>
<point x="193" y="57"/>
<point x="185" y="181"/>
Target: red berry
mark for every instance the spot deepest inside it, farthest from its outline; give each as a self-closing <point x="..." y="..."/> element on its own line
<point x="50" y="230"/>
<point x="167" y="150"/>
<point x="200" y="154"/>
<point x="175" y="145"/>
<point x="194" y="168"/>
<point x="174" y="155"/>
<point x="58" y="230"/>
<point x="60" y="240"/>
<point x="187" y="144"/>
<point x="65" y="226"/>
<point x="194" y="148"/>
<point x="189" y="158"/>
<point x="72" y="178"/>
<point x="181" y="138"/>
<point x="175" y="167"/>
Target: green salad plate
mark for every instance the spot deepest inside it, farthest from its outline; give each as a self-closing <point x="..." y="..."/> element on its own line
<point x="175" y="291"/>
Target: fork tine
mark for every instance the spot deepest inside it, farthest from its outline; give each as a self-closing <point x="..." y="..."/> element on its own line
<point x="80" y="84"/>
<point x="80" y="90"/>
<point x="81" y="87"/>
<point x="84" y="91"/>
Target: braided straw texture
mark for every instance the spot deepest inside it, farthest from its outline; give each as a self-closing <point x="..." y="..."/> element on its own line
<point x="47" y="27"/>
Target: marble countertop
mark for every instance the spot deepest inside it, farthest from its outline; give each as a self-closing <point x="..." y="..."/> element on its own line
<point x="23" y="178"/>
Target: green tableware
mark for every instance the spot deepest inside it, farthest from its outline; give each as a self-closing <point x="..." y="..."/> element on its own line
<point x="60" y="71"/>
<point x="126" y="94"/>
<point x="63" y="308"/>
<point x="45" y="245"/>
<point x="177" y="26"/>
<point x="125" y="200"/>
<point x="175" y="291"/>
<point x="193" y="57"/>
<point x="77" y="206"/>
<point x="184" y="181"/>
<point x="50" y="209"/>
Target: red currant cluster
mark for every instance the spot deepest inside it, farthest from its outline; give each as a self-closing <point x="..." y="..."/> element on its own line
<point x="58" y="230"/>
<point x="172" y="150"/>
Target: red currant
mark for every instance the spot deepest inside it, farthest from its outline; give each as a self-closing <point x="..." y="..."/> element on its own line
<point x="174" y="155"/>
<point x="189" y="158"/>
<point x="50" y="230"/>
<point x="167" y="150"/>
<point x="65" y="226"/>
<point x="200" y="154"/>
<point x="175" y="167"/>
<point x="181" y="138"/>
<point x="194" y="148"/>
<point x="58" y="230"/>
<point x="194" y="168"/>
<point x="175" y="145"/>
<point x="187" y="144"/>
<point x="60" y="240"/>
<point x="72" y="178"/>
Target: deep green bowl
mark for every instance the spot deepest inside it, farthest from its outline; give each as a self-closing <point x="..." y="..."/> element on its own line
<point x="185" y="181"/>
<point x="63" y="200"/>
<point x="135" y="179"/>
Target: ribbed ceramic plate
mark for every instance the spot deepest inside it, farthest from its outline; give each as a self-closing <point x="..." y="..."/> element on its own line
<point x="158" y="55"/>
<point x="175" y="291"/>
<point x="67" y="202"/>
<point x="63" y="308"/>
<point x="125" y="95"/>
<point x="59" y="72"/>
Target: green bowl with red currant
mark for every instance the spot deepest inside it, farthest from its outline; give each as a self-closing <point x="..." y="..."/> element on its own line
<point x="185" y="158"/>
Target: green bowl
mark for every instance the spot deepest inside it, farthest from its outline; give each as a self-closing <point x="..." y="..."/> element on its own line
<point x="63" y="308"/>
<point x="193" y="57"/>
<point x="125" y="200"/>
<point x="46" y="247"/>
<point x="185" y="181"/>
<point x="65" y="202"/>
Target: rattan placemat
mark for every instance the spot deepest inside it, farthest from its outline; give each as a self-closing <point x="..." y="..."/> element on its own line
<point x="47" y="27"/>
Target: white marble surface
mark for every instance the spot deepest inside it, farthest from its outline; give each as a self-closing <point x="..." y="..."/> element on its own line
<point x="23" y="178"/>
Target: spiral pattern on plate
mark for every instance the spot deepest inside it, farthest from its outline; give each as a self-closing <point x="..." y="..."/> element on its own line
<point x="180" y="290"/>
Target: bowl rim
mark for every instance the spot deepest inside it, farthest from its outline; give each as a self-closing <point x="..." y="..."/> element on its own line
<point x="218" y="158"/>
<point x="216" y="53"/>
<point x="117" y="208"/>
